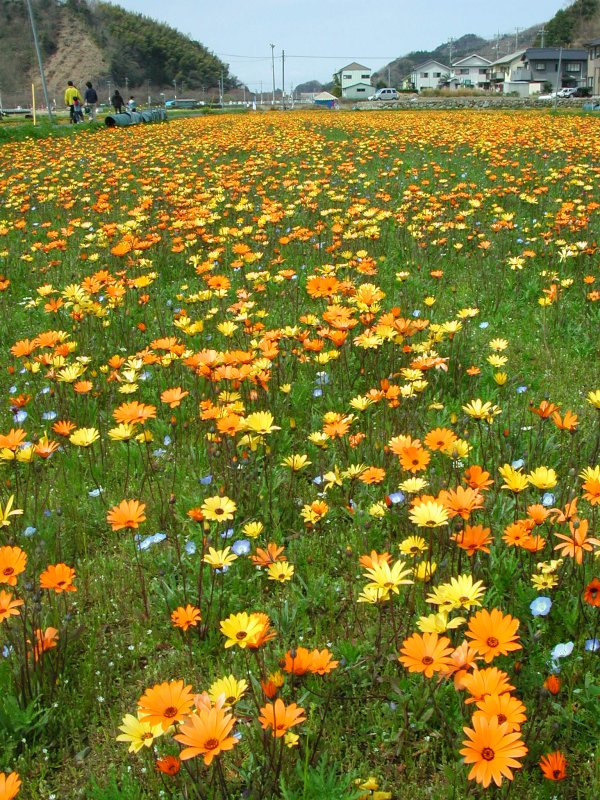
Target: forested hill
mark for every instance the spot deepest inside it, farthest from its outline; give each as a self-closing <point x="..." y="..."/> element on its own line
<point x="83" y="40"/>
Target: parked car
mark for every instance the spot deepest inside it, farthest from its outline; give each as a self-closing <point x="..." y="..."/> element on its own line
<point x="385" y="94"/>
<point x="567" y="92"/>
<point x="550" y="96"/>
<point x="583" y="91"/>
<point x="184" y="103"/>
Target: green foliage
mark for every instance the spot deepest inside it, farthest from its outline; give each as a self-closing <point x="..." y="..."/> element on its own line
<point x="318" y="783"/>
<point x="19" y="726"/>
<point x="563" y="27"/>
<point x="123" y="787"/>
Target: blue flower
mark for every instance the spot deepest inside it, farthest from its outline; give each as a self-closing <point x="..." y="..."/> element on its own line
<point x="317" y="392"/>
<point x="541" y="606"/>
<point x="518" y="463"/>
<point x="190" y="548"/>
<point x="521" y="389"/>
<point x="144" y="544"/>
<point x="206" y="480"/>
<point x="592" y="645"/>
<point x="548" y="500"/>
<point x="29" y="531"/>
<point x="241" y="547"/>
<point x="561" y="650"/>
<point x="484" y="325"/>
<point x="396" y="497"/>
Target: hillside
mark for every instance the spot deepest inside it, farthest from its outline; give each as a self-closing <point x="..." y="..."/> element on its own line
<point x="85" y="40"/>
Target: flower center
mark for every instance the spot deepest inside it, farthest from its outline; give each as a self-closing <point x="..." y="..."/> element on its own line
<point x="492" y="641"/>
<point x="241" y="635"/>
<point x="170" y="712"/>
<point x="147" y="735"/>
<point x="219" y="511"/>
<point x="487" y="754"/>
<point x="501" y="718"/>
<point x="210" y="744"/>
<point x="61" y="583"/>
<point x="556" y="774"/>
<point x="427" y="660"/>
<point x="8" y="570"/>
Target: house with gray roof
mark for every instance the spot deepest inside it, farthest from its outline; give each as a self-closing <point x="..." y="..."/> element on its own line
<point x="535" y="68"/>
<point x="355" y="81"/>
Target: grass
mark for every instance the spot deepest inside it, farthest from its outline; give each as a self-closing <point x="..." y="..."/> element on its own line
<point x="264" y="263"/>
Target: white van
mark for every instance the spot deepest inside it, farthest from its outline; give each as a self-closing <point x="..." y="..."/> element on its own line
<point x="385" y="94"/>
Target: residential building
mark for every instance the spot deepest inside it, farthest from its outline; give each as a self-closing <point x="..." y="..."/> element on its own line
<point x="593" y="66"/>
<point x="537" y="68"/>
<point x="355" y="81"/>
<point x="471" y="72"/>
<point x="429" y="75"/>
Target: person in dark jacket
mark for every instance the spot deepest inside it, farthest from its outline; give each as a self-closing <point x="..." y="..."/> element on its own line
<point x="117" y="102"/>
<point x="91" y="100"/>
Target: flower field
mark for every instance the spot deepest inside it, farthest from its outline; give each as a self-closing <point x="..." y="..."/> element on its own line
<point x="300" y="458"/>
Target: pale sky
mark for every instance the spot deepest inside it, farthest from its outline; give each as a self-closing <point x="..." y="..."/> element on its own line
<point x="320" y="36"/>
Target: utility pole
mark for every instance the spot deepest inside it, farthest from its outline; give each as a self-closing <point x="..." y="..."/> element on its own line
<point x="127" y="86"/>
<point x="558" y="78"/>
<point x="273" y="68"/>
<point x="148" y="88"/>
<point x="109" y="84"/>
<point x="517" y="37"/>
<point x="389" y="76"/>
<point x="261" y="93"/>
<point x="450" y="43"/>
<point x="36" y="44"/>
<point x="221" y="89"/>
<point x="283" y="79"/>
<point x="542" y="34"/>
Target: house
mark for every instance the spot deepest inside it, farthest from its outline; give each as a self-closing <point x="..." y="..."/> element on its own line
<point x="355" y="81"/>
<point x="593" y="66"/>
<point x="429" y="75"/>
<point x="471" y="72"/>
<point x="527" y="71"/>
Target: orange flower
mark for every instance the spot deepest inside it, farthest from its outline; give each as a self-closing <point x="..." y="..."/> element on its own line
<point x="591" y="593"/>
<point x="462" y="660"/>
<point x="554" y="766"/>
<point x="13" y="439"/>
<point x="544" y="410"/>
<point x="9" y="607"/>
<point x="552" y="684"/>
<point x="44" y="641"/>
<point x="575" y="545"/>
<point x="128" y="514"/>
<point x="169" y="765"/>
<point x="64" y="427"/>
<point x="538" y="513"/>
<point x="207" y="733"/>
<point x="426" y="653"/>
<point x="58" y="577"/>
<point x="461" y="502"/>
<point x="187" y="617"/>
<point x="482" y="682"/>
<point x="134" y="412"/>
<point x="262" y="558"/>
<point x="477" y="478"/>
<point x="279" y="717"/>
<point x="592" y="491"/>
<point x="414" y="459"/>
<point x="83" y="387"/>
<point x="322" y="662"/>
<point x="492" y="750"/>
<point x="440" y="438"/>
<point x="473" y="538"/>
<point x="504" y="707"/>
<point x="567" y="423"/>
<point x="9" y="785"/>
<point x="173" y="397"/>
<point x="493" y="634"/>
<point x="12" y="563"/>
<point x="374" y="559"/>
<point x="166" y="703"/>
<point x="372" y="475"/>
<point x="297" y="662"/>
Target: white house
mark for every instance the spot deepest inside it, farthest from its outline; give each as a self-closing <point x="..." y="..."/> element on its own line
<point x="429" y="75"/>
<point x="355" y="81"/>
<point x="471" y="72"/>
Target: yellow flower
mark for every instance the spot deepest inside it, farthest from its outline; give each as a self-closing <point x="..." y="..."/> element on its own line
<point x="291" y="739"/>
<point x="461" y="592"/>
<point x="123" y="432"/>
<point x="498" y="344"/>
<point x="8" y="511"/>
<point x="84" y="437"/>
<point x="253" y="529"/>
<point x="542" y="581"/>
<point x="439" y="623"/>
<point x="242" y="629"/>
<point x="594" y="398"/>
<point x="230" y="688"/>
<point x="413" y="546"/>
<point x="497" y="361"/>
<point x="382" y="576"/>
<point x="542" y="478"/>
<point x="373" y="595"/>
<point x="261" y="422"/>
<point x="378" y="510"/>
<point x="500" y="378"/>
<point x="413" y="485"/>
<point x="480" y="410"/>
<point x="218" y="509"/>
<point x="514" y="480"/>
<point x="424" y="571"/>
<point x="429" y="515"/>
<point x="296" y="462"/>
<point x="139" y="734"/>
<point x="218" y="559"/>
<point x="280" y="571"/>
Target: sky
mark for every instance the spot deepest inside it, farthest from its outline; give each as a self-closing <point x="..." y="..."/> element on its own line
<point x="319" y="37"/>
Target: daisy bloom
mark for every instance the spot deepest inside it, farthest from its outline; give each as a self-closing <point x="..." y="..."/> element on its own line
<point x="241" y="629"/>
<point x="169" y="765"/>
<point x="9" y="785"/>
<point x="139" y="733"/>
<point x="186" y="618"/>
<point x="493" y="751"/>
<point x="165" y="703"/>
<point x="218" y="509"/>
<point x="206" y="733"/>
<point x="429" y="515"/>
<point x="493" y="634"/>
<point x="280" y="718"/>
<point x="554" y="766"/>
<point x="482" y="682"/>
<point x="591" y="594"/>
<point x="427" y="653"/>
<point x="230" y="688"/>
<point x="173" y="397"/>
<point x="58" y="577"/>
<point x="128" y="514"/>
<point x="504" y="707"/>
<point x="12" y="563"/>
<point x="9" y="605"/>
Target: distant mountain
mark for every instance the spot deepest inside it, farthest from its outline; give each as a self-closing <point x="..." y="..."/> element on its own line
<point x="87" y="40"/>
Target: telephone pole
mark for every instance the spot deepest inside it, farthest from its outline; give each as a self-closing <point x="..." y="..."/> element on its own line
<point x="542" y="34"/>
<point x="273" y="68"/>
<point x="517" y="37"/>
<point x="450" y="43"/>
<point x="283" y="79"/>
<point x="36" y="44"/>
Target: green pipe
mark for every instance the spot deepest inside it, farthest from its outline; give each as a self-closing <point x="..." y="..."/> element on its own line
<point x="135" y="118"/>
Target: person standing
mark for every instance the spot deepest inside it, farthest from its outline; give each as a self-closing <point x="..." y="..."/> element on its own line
<point x="131" y="105"/>
<point x="70" y="94"/>
<point x="91" y="100"/>
<point x="117" y="102"/>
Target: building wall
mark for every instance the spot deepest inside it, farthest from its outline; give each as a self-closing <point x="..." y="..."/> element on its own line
<point x="350" y="77"/>
<point x="428" y="77"/>
<point x="360" y="91"/>
<point x="593" y="69"/>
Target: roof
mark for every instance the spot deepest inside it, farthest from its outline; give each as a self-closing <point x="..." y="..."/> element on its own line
<point x="354" y="65"/>
<point x="592" y="43"/>
<point x="430" y="61"/>
<point x="473" y="55"/>
<point x="510" y="57"/>
<point x="324" y="96"/>
<point x="564" y="53"/>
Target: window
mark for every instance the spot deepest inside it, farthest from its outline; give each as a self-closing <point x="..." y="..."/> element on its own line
<point x="424" y="74"/>
<point x="366" y="76"/>
<point x="463" y="71"/>
<point x="347" y="77"/>
<point x="436" y="74"/>
<point x="540" y="66"/>
<point x="572" y="67"/>
<point x="361" y="90"/>
<point x="483" y="71"/>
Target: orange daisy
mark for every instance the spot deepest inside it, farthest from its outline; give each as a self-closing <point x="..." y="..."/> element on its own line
<point x="128" y="514"/>
<point x="493" y="751"/>
<point x="58" y="577"/>
<point x="187" y="617"/>
<point x="12" y="563"/>
<point x="426" y="653"/>
<point x="279" y="717"/>
<point x="166" y="703"/>
<point x="492" y="633"/>
<point x="206" y="733"/>
<point x="554" y="766"/>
